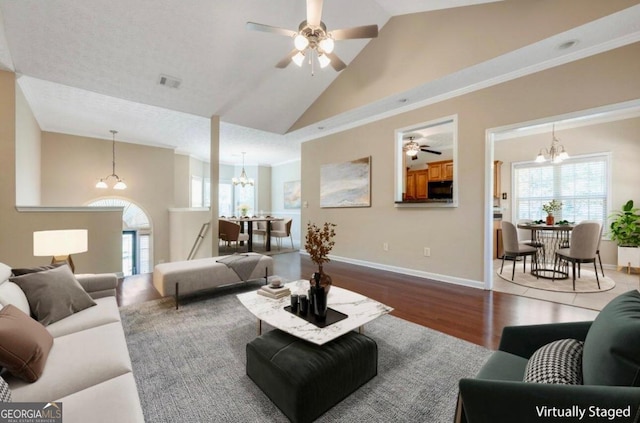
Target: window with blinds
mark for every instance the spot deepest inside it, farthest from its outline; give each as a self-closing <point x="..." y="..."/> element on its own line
<point x="581" y="183"/>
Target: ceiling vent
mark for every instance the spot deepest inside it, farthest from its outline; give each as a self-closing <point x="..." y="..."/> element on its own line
<point x="169" y="81"/>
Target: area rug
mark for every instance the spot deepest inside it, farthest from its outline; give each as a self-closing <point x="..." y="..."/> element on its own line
<point x="189" y="366"/>
<point x="586" y="282"/>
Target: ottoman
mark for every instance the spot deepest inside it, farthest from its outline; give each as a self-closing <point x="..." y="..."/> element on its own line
<point x="305" y="380"/>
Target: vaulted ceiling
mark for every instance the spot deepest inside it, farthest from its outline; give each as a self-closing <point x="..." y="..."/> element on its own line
<point x="88" y="66"/>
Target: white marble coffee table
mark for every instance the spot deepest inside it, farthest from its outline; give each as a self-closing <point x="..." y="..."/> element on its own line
<point x="358" y="308"/>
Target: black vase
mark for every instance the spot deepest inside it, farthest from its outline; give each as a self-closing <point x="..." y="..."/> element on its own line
<point x="319" y="295"/>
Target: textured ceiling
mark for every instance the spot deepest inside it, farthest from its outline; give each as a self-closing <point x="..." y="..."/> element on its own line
<point x="87" y="66"/>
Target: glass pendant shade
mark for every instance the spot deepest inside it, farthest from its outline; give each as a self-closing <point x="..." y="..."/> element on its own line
<point x="300" y="42"/>
<point x="324" y="60"/>
<point x="327" y="45"/>
<point x="102" y="183"/>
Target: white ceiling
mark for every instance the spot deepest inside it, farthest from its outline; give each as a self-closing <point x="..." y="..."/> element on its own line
<point x="87" y="66"/>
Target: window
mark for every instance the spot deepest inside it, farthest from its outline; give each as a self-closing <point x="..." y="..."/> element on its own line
<point x="207" y="192"/>
<point x="225" y="199"/>
<point x="196" y="191"/>
<point x="244" y="196"/>
<point x="581" y="183"/>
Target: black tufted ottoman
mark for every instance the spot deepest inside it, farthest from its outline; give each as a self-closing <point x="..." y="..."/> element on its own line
<point x="304" y="380"/>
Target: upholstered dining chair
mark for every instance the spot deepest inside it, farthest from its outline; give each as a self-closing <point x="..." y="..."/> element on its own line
<point x="260" y="228"/>
<point x="281" y="229"/>
<point x="230" y="232"/>
<point x="583" y="247"/>
<point x="598" y="248"/>
<point x="514" y="249"/>
<point x="524" y="235"/>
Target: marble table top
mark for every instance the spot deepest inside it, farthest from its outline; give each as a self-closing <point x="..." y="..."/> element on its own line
<point x="359" y="308"/>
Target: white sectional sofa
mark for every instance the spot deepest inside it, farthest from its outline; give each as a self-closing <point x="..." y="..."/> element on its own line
<point x="88" y="368"/>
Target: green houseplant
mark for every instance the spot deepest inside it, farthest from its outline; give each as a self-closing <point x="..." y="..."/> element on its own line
<point x="551" y="207"/>
<point x="625" y="231"/>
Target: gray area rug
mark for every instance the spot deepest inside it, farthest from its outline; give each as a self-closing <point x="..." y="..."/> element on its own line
<point x="189" y="366"/>
<point x="585" y="283"/>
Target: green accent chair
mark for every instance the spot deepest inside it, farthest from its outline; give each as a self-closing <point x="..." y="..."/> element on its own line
<point x="610" y="370"/>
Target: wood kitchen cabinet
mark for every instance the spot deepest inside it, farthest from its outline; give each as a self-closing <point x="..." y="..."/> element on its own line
<point x="441" y="171"/>
<point x="496" y="179"/>
<point x="498" y="248"/>
<point x="417" y="184"/>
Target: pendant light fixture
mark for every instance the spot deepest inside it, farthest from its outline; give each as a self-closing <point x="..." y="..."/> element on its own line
<point x="243" y="179"/>
<point x="556" y="153"/>
<point x="119" y="185"/>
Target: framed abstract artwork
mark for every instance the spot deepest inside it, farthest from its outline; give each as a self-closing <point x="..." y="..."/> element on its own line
<point x="292" y="195"/>
<point x="346" y="184"/>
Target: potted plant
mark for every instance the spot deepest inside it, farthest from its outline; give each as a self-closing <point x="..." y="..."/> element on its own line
<point x="625" y="231"/>
<point x="551" y="207"/>
<point x="243" y="209"/>
<point x="318" y="243"/>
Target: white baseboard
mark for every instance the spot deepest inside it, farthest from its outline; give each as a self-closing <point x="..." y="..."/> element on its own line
<point x="411" y="272"/>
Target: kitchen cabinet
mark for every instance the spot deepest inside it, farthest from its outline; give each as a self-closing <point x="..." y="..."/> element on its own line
<point x="498" y="248"/>
<point x="441" y="171"/>
<point x="497" y="192"/>
<point x="417" y="184"/>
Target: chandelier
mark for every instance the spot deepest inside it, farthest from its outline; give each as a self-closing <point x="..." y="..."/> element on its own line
<point x="243" y="179"/>
<point x="556" y="153"/>
<point x="102" y="183"/>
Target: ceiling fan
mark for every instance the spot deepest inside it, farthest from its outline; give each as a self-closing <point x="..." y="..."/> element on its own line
<point x="412" y="147"/>
<point x="312" y="38"/>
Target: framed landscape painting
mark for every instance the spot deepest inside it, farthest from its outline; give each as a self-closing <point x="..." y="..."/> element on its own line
<point x="292" y="195"/>
<point x="346" y="184"/>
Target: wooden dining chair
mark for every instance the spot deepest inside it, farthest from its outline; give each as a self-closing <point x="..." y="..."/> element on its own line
<point x="514" y="249"/>
<point x="230" y="232"/>
<point x="583" y="245"/>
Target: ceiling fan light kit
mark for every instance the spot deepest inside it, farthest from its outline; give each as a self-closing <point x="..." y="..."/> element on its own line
<point x="312" y="35"/>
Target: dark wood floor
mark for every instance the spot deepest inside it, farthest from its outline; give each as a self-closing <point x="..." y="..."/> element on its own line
<point x="471" y="314"/>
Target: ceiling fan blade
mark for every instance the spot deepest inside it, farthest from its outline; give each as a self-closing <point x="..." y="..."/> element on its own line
<point x="336" y="63"/>
<point x="314" y="12"/>
<point x="287" y="59"/>
<point x="366" y="31"/>
<point x="252" y="26"/>
<point x="431" y="151"/>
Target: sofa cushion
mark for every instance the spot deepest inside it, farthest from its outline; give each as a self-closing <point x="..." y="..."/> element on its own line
<point x="53" y="294"/>
<point x="5" y="272"/>
<point x="77" y="361"/>
<point x="10" y="293"/>
<point x="5" y="392"/>
<point x="557" y="362"/>
<point x="612" y="346"/>
<point x="502" y="365"/>
<point x="24" y="344"/>
<point x="27" y="270"/>
<point x="106" y="311"/>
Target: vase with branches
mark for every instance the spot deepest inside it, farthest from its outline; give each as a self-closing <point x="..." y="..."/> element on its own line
<point x="319" y="243"/>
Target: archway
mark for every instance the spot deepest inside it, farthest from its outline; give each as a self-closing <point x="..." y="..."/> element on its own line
<point x="137" y="252"/>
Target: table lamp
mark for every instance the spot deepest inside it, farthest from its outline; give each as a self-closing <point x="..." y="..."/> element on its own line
<point x="60" y="244"/>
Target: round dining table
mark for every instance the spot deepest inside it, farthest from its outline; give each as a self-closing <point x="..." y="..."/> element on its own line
<point x="249" y="221"/>
<point x="549" y="238"/>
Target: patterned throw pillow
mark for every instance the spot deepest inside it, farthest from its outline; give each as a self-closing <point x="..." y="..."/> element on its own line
<point x="5" y="392"/>
<point x="557" y="362"/>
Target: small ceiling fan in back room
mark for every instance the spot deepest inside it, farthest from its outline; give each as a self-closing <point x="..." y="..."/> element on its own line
<point x="412" y="148"/>
<point x="312" y="38"/>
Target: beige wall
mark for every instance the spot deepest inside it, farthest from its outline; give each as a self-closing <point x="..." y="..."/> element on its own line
<point x="185" y="227"/>
<point x="280" y="174"/>
<point x="444" y="41"/>
<point x="16" y="228"/>
<point x="71" y="165"/>
<point x="620" y="138"/>
<point x="182" y="181"/>
<point x="27" y="153"/>
<point x="455" y="235"/>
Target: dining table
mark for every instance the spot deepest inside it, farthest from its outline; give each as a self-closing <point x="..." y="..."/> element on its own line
<point x="550" y="238"/>
<point x="249" y="230"/>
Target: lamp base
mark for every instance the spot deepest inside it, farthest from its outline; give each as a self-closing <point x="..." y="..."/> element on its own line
<point x="64" y="259"/>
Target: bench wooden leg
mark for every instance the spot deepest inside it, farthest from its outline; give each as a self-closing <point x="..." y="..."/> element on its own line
<point x="177" y="302"/>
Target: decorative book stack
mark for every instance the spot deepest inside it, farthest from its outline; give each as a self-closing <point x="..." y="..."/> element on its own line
<point x="271" y="291"/>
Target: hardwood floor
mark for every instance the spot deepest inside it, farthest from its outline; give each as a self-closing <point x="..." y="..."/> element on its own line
<point x="471" y="314"/>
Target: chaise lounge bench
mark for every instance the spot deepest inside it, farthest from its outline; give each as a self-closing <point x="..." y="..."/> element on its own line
<point x="185" y="277"/>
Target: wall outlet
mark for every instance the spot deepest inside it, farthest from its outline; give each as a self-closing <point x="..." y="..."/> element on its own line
<point x="427" y="252"/>
<point x="385" y="246"/>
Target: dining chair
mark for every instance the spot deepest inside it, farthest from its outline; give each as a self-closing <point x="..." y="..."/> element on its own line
<point x="514" y="249"/>
<point x="230" y="232"/>
<point x="598" y="247"/>
<point x="260" y="228"/>
<point x="525" y="236"/>
<point x="583" y="247"/>
<point x="281" y="229"/>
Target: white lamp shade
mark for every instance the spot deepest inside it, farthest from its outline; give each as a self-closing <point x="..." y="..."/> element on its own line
<point x="298" y="58"/>
<point x="327" y="45"/>
<point x="300" y="42"/>
<point x="324" y="60"/>
<point x="102" y="184"/>
<point x="120" y="185"/>
<point x="60" y="243"/>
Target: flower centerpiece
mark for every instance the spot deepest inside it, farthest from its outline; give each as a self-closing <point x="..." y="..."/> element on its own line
<point x="318" y="243"/>
<point x="551" y="207"/>
<point x="243" y="209"/>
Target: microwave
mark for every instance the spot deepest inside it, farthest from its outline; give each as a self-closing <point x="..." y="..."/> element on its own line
<point x="440" y="190"/>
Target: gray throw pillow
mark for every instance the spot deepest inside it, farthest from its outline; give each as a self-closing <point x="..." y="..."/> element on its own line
<point x="53" y="294"/>
<point x="557" y="362"/>
<point x="25" y="270"/>
<point x="5" y="392"/>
